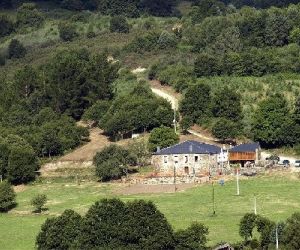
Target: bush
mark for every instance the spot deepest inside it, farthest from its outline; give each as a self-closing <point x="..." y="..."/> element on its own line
<point x="7" y="196"/>
<point x="29" y="16"/>
<point x="111" y="162"/>
<point x="162" y="137"/>
<point x="6" y="26"/>
<point x="67" y="31"/>
<point x="61" y="232"/>
<point x="167" y="40"/>
<point x="119" y="24"/>
<point x="2" y="60"/>
<point x="194" y="237"/>
<point x="16" y="49"/>
<point x="38" y="202"/>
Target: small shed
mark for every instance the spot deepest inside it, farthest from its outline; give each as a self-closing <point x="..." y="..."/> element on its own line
<point x="247" y="152"/>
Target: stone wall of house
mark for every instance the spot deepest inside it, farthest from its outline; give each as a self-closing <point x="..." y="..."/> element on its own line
<point x="184" y="164"/>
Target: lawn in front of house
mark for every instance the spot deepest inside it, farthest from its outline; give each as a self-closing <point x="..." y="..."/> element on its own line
<point x="277" y="198"/>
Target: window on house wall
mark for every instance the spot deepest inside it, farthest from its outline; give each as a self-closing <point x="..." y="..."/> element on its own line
<point x="186" y="159"/>
<point x="196" y="158"/>
<point x="176" y="158"/>
<point x="165" y="159"/>
<point x="186" y="170"/>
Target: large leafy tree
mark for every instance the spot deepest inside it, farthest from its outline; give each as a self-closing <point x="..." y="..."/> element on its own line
<point x="196" y="102"/>
<point x="135" y="225"/>
<point x="22" y="164"/>
<point x="29" y="16"/>
<point x="162" y="137"/>
<point x="273" y="124"/>
<point x="226" y="103"/>
<point x="112" y="162"/>
<point x="291" y="237"/>
<point x="61" y="232"/>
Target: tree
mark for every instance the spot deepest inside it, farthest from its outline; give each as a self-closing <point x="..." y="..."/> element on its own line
<point x="206" y="65"/>
<point x="67" y="31"/>
<point x="291" y="237"/>
<point x="38" y="202"/>
<point x="119" y="24"/>
<point x="226" y="103"/>
<point x="295" y="36"/>
<point x="225" y="129"/>
<point x="196" y="102"/>
<point x="16" y="49"/>
<point x="4" y="149"/>
<point x="61" y="232"/>
<point x="97" y="111"/>
<point x="112" y="162"/>
<point x="29" y="16"/>
<point x="6" y="26"/>
<point x="22" y="164"/>
<point x="26" y="81"/>
<point x="103" y="225"/>
<point x="7" y="196"/>
<point x="146" y="227"/>
<point x="273" y="124"/>
<point x="111" y="223"/>
<point x="157" y="7"/>
<point x="194" y="237"/>
<point x="139" y="148"/>
<point x="247" y="224"/>
<point x="162" y="137"/>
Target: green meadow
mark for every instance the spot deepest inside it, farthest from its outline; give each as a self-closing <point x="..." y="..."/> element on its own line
<point x="277" y="198"/>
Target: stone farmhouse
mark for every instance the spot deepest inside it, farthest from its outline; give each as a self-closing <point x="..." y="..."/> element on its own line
<point x="189" y="158"/>
<point x="192" y="158"/>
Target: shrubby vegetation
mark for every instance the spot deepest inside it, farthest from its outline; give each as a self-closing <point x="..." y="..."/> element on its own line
<point x="7" y="197"/>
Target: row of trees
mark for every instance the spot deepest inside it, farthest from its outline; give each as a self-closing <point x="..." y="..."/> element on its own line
<point x="113" y="224"/>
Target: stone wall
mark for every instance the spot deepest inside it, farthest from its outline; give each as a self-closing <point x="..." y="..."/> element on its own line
<point x="184" y="164"/>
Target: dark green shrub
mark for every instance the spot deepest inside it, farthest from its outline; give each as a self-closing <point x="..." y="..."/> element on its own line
<point x="61" y="232"/>
<point x="119" y="24"/>
<point x="16" y="49"/>
<point x="2" y="60"/>
<point x="167" y="40"/>
<point x="6" y="26"/>
<point x="38" y="202"/>
<point x="7" y="196"/>
<point x="225" y="129"/>
<point x="67" y="31"/>
<point x="194" y="237"/>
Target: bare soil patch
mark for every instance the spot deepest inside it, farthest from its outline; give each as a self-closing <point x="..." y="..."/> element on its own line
<point x="154" y="189"/>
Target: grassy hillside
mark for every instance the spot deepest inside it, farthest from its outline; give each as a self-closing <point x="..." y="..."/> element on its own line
<point x="277" y="199"/>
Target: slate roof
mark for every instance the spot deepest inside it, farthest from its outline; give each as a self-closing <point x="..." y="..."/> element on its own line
<point x="246" y="147"/>
<point x="190" y="147"/>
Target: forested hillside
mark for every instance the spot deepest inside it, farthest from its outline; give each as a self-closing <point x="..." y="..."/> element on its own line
<point x="235" y="62"/>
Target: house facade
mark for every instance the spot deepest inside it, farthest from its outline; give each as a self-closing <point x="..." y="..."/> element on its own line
<point x="189" y="158"/>
<point x="243" y="153"/>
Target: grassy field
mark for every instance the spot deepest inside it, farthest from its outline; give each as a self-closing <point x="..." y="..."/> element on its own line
<point x="277" y="199"/>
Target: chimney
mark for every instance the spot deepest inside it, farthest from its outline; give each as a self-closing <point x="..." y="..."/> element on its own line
<point x="157" y="149"/>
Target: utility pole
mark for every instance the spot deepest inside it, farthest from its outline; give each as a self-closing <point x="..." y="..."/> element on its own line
<point x="237" y="182"/>
<point x="255" y="212"/>
<point x="175" y="188"/>
<point x="174" y="121"/>
<point x="277" y="241"/>
<point x="213" y="198"/>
